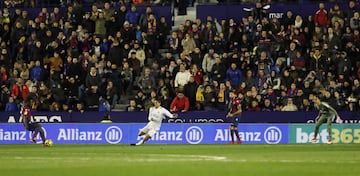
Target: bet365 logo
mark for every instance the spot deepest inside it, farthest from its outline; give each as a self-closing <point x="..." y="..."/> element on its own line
<point x="346" y="136"/>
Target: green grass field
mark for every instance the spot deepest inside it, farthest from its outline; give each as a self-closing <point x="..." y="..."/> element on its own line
<point x="173" y="160"/>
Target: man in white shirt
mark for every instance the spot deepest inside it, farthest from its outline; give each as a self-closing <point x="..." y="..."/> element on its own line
<point x="182" y="77"/>
<point x="156" y="114"/>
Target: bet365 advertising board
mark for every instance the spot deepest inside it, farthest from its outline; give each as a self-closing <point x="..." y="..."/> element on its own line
<point x="341" y="133"/>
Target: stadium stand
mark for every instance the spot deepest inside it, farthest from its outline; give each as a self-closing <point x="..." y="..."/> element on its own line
<point x="73" y="56"/>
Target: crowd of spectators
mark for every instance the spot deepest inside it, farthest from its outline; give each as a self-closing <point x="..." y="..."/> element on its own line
<point x="77" y="60"/>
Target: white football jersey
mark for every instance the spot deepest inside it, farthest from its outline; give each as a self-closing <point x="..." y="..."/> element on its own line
<point x="158" y="114"/>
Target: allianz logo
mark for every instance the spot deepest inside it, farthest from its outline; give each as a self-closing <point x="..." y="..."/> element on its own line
<point x="193" y="135"/>
<point x="112" y="135"/>
<point x="271" y="135"/>
<point x="17" y="135"/>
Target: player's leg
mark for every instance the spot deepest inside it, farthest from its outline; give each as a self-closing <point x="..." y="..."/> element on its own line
<point x="31" y="127"/>
<point x="320" y="121"/>
<point x="144" y="130"/>
<point x="236" y="131"/>
<point x="141" y="133"/>
<point x="148" y="136"/>
<point x="232" y="134"/>
<point x="328" y="125"/>
<point x="38" y="129"/>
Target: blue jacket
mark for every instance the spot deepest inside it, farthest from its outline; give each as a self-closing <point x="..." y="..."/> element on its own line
<point x="234" y="76"/>
<point x="36" y="73"/>
<point x="132" y="17"/>
<point x="11" y="107"/>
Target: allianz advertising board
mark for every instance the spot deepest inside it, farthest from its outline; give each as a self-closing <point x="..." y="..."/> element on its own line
<point x="64" y="133"/>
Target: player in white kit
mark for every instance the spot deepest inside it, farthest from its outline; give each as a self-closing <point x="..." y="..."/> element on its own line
<point x="156" y="114"/>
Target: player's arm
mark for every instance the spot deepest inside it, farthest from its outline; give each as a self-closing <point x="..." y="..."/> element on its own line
<point x="149" y="116"/>
<point x="338" y="119"/>
<point x="331" y="109"/>
<point x="25" y="121"/>
<point x="168" y="114"/>
<point x="238" y="112"/>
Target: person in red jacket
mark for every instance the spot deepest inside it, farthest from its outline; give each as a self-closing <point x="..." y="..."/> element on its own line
<point x="180" y="103"/>
<point x="20" y="90"/>
<point x="321" y="17"/>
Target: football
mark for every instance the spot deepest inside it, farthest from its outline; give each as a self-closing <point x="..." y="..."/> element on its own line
<point x="49" y="142"/>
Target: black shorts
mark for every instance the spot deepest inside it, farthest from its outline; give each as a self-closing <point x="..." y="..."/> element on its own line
<point x="32" y="126"/>
<point x="234" y="121"/>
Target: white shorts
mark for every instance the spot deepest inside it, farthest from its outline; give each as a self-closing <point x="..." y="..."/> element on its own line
<point x="150" y="129"/>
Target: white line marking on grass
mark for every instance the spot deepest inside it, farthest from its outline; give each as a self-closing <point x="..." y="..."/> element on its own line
<point x="169" y="158"/>
<point x="290" y="161"/>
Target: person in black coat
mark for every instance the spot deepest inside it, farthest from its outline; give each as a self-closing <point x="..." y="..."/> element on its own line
<point x="218" y="70"/>
<point x="190" y="91"/>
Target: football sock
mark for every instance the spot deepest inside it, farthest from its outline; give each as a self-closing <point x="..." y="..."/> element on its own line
<point x="41" y="133"/>
<point x="237" y="135"/>
<point x="232" y="135"/>
<point x="34" y="135"/>
<point x="139" y="143"/>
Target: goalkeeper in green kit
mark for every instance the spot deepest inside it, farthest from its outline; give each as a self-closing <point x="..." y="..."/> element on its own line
<point x="326" y="114"/>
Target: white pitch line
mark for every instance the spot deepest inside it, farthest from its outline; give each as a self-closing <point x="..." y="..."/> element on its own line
<point x="173" y="158"/>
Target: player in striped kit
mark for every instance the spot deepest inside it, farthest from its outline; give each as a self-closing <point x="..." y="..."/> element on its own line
<point x="156" y="114"/>
<point x="234" y="116"/>
<point x="29" y="125"/>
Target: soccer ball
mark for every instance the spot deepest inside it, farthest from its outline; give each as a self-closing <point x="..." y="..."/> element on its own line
<point x="49" y="142"/>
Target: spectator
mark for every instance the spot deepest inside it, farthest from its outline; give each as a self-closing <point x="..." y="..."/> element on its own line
<point x="11" y="106"/>
<point x="336" y="14"/>
<point x="92" y="85"/>
<point x="321" y="17"/>
<point x="188" y="43"/>
<point x="146" y="82"/>
<point x="36" y="72"/>
<point x="111" y="94"/>
<point x="254" y="106"/>
<point x="355" y="21"/>
<point x="209" y="98"/>
<point x="180" y="103"/>
<point x="190" y="91"/>
<point x="290" y="106"/>
<point x="132" y="16"/>
<point x="165" y="98"/>
<point x="233" y="74"/>
<point x="140" y="98"/>
<point x="182" y="77"/>
<point x="4" y="96"/>
<point x="132" y="106"/>
<point x="19" y="90"/>
<point x="174" y="43"/>
<point x="268" y="107"/>
<point x="127" y="77"/>
<point x="140" y="53"/>
<point x="134" y="63"/>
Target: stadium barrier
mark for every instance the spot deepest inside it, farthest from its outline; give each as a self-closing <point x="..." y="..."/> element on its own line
<point x="209" y="133"/>
<point x="187" y="117"/>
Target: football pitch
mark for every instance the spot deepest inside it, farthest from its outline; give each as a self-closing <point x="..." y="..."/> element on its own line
<point x="173" y="160"/>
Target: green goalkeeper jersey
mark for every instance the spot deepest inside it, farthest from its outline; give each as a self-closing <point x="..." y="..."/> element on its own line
<point x="326" y="109"/>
